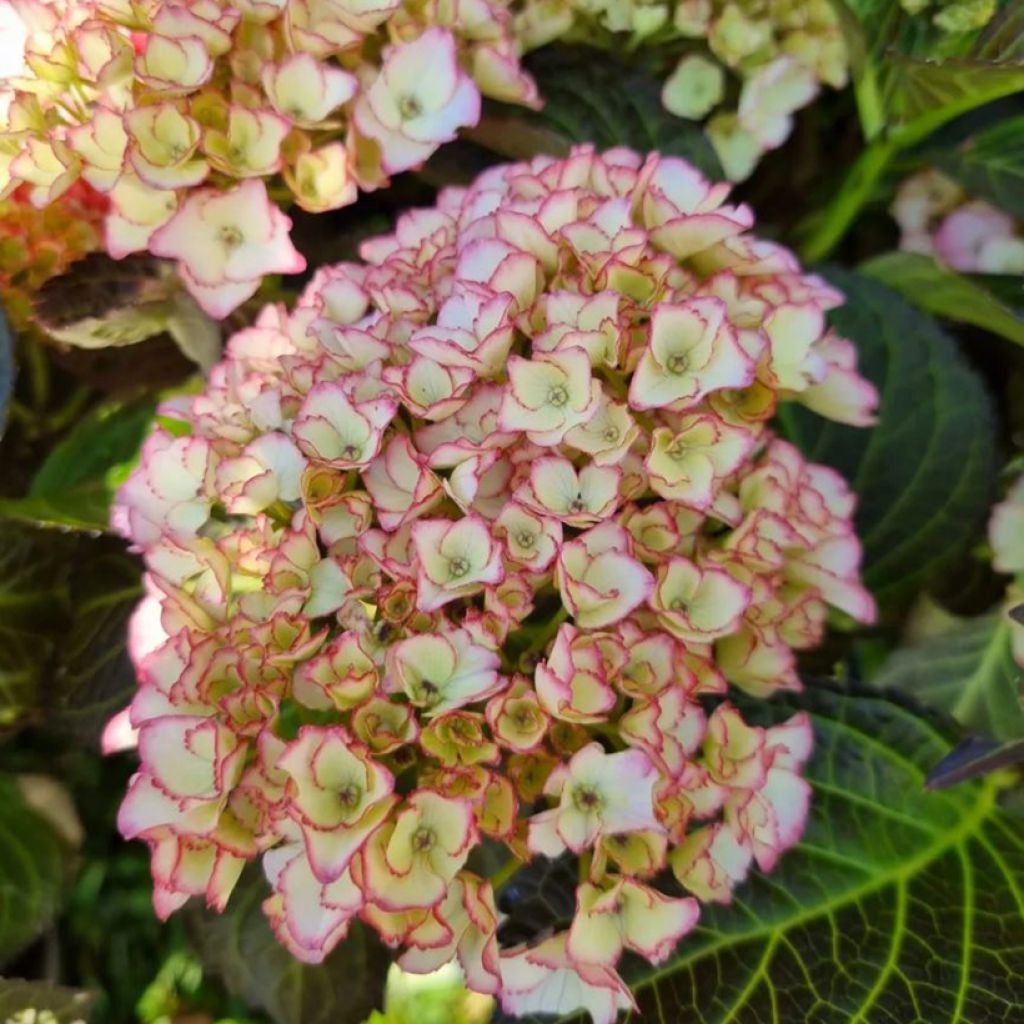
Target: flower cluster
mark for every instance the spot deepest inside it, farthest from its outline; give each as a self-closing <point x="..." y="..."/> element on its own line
<point x="181" y="110"/>
<point x="779" y="51"/>
<point x="36" y="245"/>
<point x="937" y="218"/>
<point x="468" y="547"/>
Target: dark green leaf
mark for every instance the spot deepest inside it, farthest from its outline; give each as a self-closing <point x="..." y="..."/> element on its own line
<point x="924" y="475"/>
<point x="66" y="1005"/>
<point x="6" y="369"/>
<point x="93" y="677"/>
<point x="74" y="486"/>
<point x="33" y="604"/>
<point x="591" y="96"/>
<point x="240" y="946"/>
<point x="967" y="670"/>
<point x="990" y="165"/>
<point x="945" y="292"/>
<point x="32" y="871"/>
<point x="899" y="906"/>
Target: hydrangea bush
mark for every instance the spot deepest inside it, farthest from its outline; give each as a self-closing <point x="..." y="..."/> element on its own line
<point x="471" y="550"/>
<point x="184" y="113"/>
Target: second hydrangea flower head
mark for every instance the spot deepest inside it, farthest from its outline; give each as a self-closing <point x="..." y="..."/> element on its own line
<point x="472" y="545"/>
<point x="180" y="111"/>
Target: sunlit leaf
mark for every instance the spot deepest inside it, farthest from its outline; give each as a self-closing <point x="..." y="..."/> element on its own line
<point x="937" y="91"/>
<point x="945" y="292"/>
<point x="74" y="486"/>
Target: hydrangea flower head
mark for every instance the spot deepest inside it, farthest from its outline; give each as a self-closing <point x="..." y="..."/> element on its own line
<point x="472" y="545"/>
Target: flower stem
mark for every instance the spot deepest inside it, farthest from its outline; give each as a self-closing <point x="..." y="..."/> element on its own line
<point x="855" y="192"/>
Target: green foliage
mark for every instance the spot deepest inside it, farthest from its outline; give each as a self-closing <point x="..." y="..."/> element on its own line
<point x="53" y="1004"/>
<point x="944" y="292"/>
<point x="990" y="164"/>
<point x="33" y="862"/>
<point x="897" y="905"/>
<point x="74" y="486"/>
<point x="937" y="91"/>
<point x="924" y="475"/>
<point x="967" y="670"/>
<point x="240" y="947"/>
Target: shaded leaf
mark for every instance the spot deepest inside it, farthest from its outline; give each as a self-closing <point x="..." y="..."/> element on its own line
<point x="33" y="604"/>
<point x="898" y="905"/>
<point x="240" y="946"/>
<point x="593" y="96"/>
<point x="990" y="165"/>
<point x="6" y="369"/>
<point x="93" y="676"/>
<point x="924" y="475"/>
<point x="945" y="292"/>
<point x="968" y="671"/>
<point x="75" y="485"/>
<point x="32" y="871"/>
<point x="540" y="895"/>
<point x="66" y="1005"/>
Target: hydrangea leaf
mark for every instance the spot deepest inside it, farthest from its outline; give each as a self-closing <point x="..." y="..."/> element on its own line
<point x="591" y="96"/>
<point x="74" y="486"/>
<point x="54" y="1004"/>
<point x="32" y="872"/>
<point x="990" y="164"/>
<point x="924" y="474"/>
<point x="240" y="947"/>
<point x="93" y="677"/>
<point x="6" y="370"/>
<point x="33" y="601"/>
<point x="934" y="92"/>
<point x="967" y="670"/>
<point x="898" y="904"/>
<point x="944" y="292"/>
